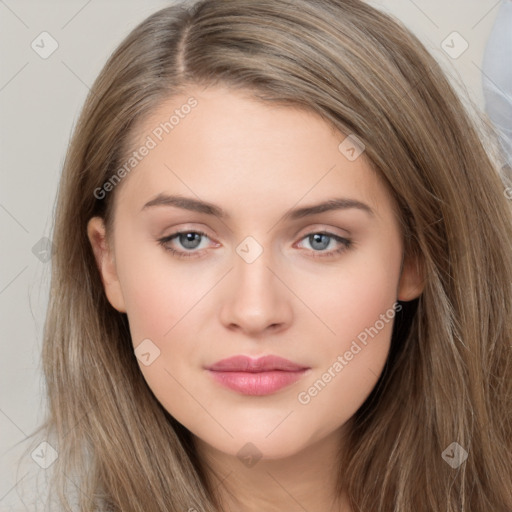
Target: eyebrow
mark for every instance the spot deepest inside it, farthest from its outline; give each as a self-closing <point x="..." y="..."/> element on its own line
<point x="196" y="205"/>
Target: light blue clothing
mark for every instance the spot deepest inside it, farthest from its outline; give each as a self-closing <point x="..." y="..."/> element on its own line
<point x="497" y="77"/>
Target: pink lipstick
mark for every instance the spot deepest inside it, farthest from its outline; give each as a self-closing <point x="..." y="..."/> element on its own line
<point x="256" y="377"/>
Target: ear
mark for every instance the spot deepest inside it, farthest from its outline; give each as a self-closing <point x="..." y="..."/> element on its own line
<point x="105" y="261"/>
<point x="412" y="280"/>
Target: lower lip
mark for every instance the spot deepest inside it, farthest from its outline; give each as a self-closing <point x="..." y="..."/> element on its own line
<point x="257" y="384"/>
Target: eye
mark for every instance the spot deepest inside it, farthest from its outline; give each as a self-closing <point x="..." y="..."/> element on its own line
<point x="190" y="240"/>
<point x="322" y="239"/>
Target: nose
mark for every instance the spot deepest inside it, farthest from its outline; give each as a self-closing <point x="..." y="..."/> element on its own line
<point x="256" y="301"/>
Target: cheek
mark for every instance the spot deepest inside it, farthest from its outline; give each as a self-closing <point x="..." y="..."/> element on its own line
<point x="158" y="291"/>
<point x="353" y="298"/>
<point x="163" y="305"/>
<point x="366" y="296"/>
<point x="152" y="306"/>
<point x="360" y="308"/>
<point x="349" y="367"/>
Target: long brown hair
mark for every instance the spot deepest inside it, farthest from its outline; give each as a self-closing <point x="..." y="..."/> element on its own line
<point x="448" y="377"/>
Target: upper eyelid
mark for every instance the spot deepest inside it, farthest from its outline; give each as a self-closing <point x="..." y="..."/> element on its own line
<point x="301" y="237"/>
<point x="317" y="227"/>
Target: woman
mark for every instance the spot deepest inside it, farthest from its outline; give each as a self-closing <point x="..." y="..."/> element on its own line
<point x="339" y="338"/>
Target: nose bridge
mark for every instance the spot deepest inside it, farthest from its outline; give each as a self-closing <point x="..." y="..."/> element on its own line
<point x="256" y="299"/>
<point x="252" y="269"/>
<point x="255" y="283"/>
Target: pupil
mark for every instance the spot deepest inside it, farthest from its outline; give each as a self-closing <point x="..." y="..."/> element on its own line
<point x="189" y="240"/>
<point x="317" y="237"/>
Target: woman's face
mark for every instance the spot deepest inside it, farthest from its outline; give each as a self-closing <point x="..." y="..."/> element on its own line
<point x="264" y="270"/>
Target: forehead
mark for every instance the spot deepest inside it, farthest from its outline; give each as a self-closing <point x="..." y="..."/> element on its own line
<point x="219" y="144"/>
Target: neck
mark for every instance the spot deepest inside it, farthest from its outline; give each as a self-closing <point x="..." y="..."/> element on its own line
<point x="305" y="480"/>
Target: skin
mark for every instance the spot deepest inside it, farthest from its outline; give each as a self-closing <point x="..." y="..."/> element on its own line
<point x="256" y="161"/>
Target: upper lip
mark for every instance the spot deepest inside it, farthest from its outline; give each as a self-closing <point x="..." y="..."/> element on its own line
<point x="262" y="364"/>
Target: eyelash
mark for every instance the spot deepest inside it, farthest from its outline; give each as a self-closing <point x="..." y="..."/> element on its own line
<point x="346" y="244"/>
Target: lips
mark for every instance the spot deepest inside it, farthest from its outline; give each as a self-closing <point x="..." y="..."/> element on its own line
<point x="257" y="377"/>
<point x="262" y="364"/>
